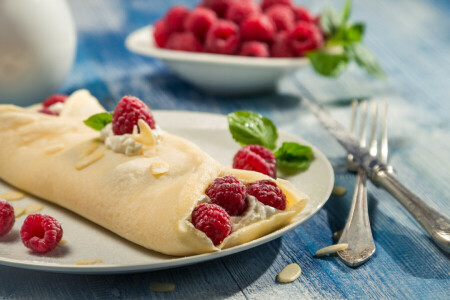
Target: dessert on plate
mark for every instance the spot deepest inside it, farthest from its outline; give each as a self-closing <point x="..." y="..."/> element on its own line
<point x="128" y="175"/>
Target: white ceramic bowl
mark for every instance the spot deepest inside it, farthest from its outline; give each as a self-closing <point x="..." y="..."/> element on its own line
<point x="214" y="73"/>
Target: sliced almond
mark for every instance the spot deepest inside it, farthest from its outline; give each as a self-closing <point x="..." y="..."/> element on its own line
<point x="62" y="242"/>
<point x="89" y="261"/>
<point x="162" y="287"/>
<point x="90" y="148"/>
<point x="18" y="211"/>
<point x="339" y="190"/>
<point x="331" y="249"/>
<point x="54" y="148"/>
<point x="289" y="273"/>
<point x="89" y="160"/>
<point x="33" y="208"/>
<point x="159" y="167"/>
<point x="12" y="196"/>
<point x="145" y="137"/>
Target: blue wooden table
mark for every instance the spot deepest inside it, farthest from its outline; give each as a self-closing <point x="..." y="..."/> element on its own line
<point x="411" y="39"/>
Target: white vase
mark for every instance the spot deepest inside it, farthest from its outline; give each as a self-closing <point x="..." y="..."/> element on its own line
<point x="37" y="48"/>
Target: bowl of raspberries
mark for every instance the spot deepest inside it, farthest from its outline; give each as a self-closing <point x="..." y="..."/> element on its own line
<point x="232" y="47"/>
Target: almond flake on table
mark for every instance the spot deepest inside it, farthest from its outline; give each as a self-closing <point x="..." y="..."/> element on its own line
<point x="289" y="273"/>
<point x="54" y="148"/>
<point x="162" y="287"/>
<point x="339" y="190"/>
<point x="33" y="208"/>
<point x="62" y="242"/>
<point x="331" y="249"/>
<point x="12" y="196"/>
<point x="89" y="261"/>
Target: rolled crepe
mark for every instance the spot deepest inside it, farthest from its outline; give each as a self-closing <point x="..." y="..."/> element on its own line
<point x="63" y="161"/>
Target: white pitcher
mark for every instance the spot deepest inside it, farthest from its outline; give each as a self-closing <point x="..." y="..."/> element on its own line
<point x="37" y="48"/>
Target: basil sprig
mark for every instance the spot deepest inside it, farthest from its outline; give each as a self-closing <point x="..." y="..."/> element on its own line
<point x="99" y="121"/>
<point x="249" y="128"/>
<point x="343" y="45"/>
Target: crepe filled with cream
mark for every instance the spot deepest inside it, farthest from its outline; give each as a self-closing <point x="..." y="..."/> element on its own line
<point x="146" y="197"/>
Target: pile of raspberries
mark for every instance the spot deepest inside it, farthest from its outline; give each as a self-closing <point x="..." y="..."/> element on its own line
<point x="272" y="28"/>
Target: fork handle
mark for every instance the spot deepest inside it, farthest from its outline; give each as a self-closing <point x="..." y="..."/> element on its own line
<point x="435" y="223"/>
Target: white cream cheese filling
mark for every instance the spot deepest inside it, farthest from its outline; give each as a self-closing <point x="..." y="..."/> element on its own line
<point x="124" y="143"/>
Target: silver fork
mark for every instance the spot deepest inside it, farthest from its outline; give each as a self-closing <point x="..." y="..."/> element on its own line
<point x="357" y="232"/>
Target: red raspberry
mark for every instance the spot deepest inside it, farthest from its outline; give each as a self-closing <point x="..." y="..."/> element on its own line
<point x="7" y="218"/>
<point x="258" y="28"/>
<point x="254" y="48"/>
<point x="199" y="21"/>
<point x="302" y="14"/>
<point x="41" y="233"/>
<point x="268" y="3"/>
<point x="57" y="98"/>
<point x="184" y="41"/>
<point x="127" y="114"/>
<point x="282" y="16"/>
<point x="213" y="220"/>
<point x="222" y="37"/>
<point x="256" y="158"/>
<point x="175" y="18"/>
<point x="268" y="193"/>
<point x="47" y="111"/>
<point x="305" y="37"/>
<point x="281" y="46"/>
<point x="238" y="11"/>
<point x="161" y="33"/>
<point x="218" y="6"/>
<point x="229" y="193"/>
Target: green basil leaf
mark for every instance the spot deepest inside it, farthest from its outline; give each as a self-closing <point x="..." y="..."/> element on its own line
<point x="99" y="121"/>
<point x="329" y="21"/>
<point x="293" y="157"/>
<point x="354" y="33"/>
<point x="346" y="13"/>
<point x="328" y="64"/>
<point x="248" y="127"/>
<point x="365" y="59"/>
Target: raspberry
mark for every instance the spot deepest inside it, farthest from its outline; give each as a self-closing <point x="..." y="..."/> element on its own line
<point x="238" y="11"/>
<point x="7" y="218"/>
<point x="302" y="14"/>
<point x="256" y="158"/>
<point x="175" y="18"/>
<point x="54" y="99"/>
<point x="127" y="114"/>
<point x="254" y="48"/>
<point x="199" y="21"/>
<point x="218" y="6"/>
<point x="305" y="37"/>
<point x="41" y="233"/>
<point x="258" y="28"/>
<point x="282" y="16"/>
<point x="46" y="110"/>
<point x="268" y="3"/>
<point x="213" y="220"/>
<point x="222" y="37"/>
<point x="281" y="46"/>
<point x="268" y="193"/>
<point x="184" y="41"/>
<point x="229" y="193"/>
<point x="161" y="33"/>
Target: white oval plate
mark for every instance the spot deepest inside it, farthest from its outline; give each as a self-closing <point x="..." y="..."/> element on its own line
<point x="216" y="73"/>
<point x="87" y="240"/>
